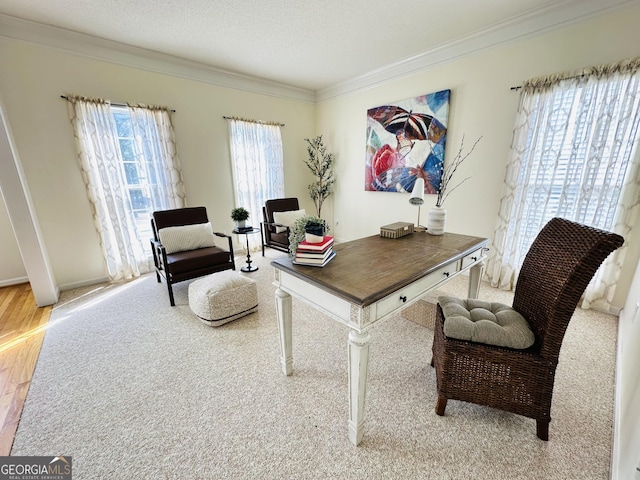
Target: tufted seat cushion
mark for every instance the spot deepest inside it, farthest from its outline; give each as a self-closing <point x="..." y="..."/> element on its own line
<point x="485" y="322"/>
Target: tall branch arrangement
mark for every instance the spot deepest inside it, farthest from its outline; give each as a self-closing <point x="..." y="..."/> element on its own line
<point x="321" y="165"/>
<point x="447" y="172"/>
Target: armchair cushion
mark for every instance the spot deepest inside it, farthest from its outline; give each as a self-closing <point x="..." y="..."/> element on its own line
<point x="485" y="322"/>
<point x="288" y="219"/>
<point x="192" y="260"/>
<point x="187" y="237"/>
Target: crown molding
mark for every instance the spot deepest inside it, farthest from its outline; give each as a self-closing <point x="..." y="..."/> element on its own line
<point x="552" y="17"/>
<point x="114" y="52"/>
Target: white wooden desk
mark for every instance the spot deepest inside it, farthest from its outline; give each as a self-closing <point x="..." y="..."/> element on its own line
<point x="368" y="281"/>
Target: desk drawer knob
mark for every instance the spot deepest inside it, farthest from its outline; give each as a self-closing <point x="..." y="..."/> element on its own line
<point x="403" y="298"/>
<point x="474" y="258"/>
<point x="446" y="274"/>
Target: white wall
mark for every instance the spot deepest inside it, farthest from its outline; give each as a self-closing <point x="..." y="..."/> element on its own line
<point x="627" y="438"/>
<point x="481" y="104"/>
<point x="12" y="269"/>
<point x="31" y="90"/>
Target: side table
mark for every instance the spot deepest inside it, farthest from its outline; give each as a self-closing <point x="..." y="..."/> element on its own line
<point x="247" y="232"/>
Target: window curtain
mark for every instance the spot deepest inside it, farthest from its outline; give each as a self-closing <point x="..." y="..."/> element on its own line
<point x="155" y="141"/>
<point x="258" y="168"/>
<point x="573" y="155"/>
<point x="101" y="167"/>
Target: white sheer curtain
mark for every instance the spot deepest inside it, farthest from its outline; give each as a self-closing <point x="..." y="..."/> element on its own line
<point x="155" y="141"/>
<point x="573" y="155"/>
<point x="258" y="168"/>
<point x="102" y="171"/>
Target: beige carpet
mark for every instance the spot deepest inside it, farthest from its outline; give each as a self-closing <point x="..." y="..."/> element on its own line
<point x="132" y="388"/>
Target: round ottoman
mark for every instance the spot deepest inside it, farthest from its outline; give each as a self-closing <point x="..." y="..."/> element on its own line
<point x="222" y="297"/>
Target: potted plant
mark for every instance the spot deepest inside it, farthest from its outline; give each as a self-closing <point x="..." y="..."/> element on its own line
<point x="299" y="230"/>
<point x="240" y="216"/>
<point x="314" y="231"/>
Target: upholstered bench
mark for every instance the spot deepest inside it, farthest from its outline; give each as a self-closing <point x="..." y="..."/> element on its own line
<point x="222" y="297"/>
<point x="485" y="322"/>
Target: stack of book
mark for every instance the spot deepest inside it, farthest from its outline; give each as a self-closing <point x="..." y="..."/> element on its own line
<point x="315" y="254"/>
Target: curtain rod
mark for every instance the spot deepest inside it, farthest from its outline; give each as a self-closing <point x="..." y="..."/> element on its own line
<point x="114" y="104"/>
<point x="581" y="75"/>
<point x="278" y="124"/>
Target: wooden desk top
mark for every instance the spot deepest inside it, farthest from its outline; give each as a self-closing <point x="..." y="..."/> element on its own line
<point x="368" y="269"/>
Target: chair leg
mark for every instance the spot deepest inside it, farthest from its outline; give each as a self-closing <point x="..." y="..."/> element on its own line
<point x="542" y="429"/>
<point x="170" y="288"/>
<point x="441" y="405"/>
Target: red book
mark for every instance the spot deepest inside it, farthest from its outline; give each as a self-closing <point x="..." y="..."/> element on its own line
<point x="305" y="246"/>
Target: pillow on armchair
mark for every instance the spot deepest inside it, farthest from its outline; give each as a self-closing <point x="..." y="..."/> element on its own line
<point x="187" y="237"/>
<point x="288" y="219"/>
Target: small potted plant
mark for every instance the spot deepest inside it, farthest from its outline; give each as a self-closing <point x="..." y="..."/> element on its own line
<point x="240" y="216"/>
<point x="299" y="231"/>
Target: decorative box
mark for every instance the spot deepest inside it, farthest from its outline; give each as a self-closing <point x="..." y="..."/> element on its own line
<point x="396" y="230"/>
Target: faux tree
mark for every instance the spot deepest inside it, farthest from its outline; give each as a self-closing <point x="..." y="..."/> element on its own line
<point x="321" y="165"/>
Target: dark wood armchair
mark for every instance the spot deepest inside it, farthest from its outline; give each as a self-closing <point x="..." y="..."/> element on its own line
<point x="557" y="268"/>
<point x="189" y="251"/>
<point x="271" y="236"/>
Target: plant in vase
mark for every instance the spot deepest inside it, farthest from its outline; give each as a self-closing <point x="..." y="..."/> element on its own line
<point x="298" y="233"/>
<point x="240" y="216"/>
<point x="437" y="215"/>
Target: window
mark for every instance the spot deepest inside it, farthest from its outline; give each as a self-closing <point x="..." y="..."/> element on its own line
<point x="130" y="167"/>
<point x="573" y="155"/>
<point x="258" y="168"/>
<point x="577" y="171"/>
<point x="135" y="166"/>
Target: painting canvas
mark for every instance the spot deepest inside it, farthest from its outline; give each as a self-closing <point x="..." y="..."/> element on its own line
<point x="405" y="141"/>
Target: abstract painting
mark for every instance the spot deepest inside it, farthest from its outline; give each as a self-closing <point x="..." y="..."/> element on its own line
<point x="405" y="141"/>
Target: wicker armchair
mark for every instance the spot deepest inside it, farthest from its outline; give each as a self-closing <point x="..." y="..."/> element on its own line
<point x="557" y="269"/>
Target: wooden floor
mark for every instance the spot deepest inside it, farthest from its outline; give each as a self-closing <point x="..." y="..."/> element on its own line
<point x="22" y="326"/>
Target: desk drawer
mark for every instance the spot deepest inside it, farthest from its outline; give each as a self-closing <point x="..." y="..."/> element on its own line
<point x="472" y="258"/>
<point x="405" y="295"/>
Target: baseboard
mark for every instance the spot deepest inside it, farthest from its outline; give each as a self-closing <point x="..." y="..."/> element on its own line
<point x="617" y="408"/>
<point x="84" y="283"/>
<point x="13" y="281"/>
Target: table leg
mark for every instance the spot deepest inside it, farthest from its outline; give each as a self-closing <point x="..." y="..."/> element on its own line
<point x="358" y="366"/>
<point x="248" y="268"/>
<point x="475" y="276"/>
<point x="283" y="308"/>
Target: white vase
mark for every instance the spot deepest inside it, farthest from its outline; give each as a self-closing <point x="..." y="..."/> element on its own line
<point x="241" y="223"/>
<point x="436" y="220"/>
<point x="311" y="238"/>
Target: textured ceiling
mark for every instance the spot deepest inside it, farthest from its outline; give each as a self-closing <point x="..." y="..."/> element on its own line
<point x="302" y="43"/>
